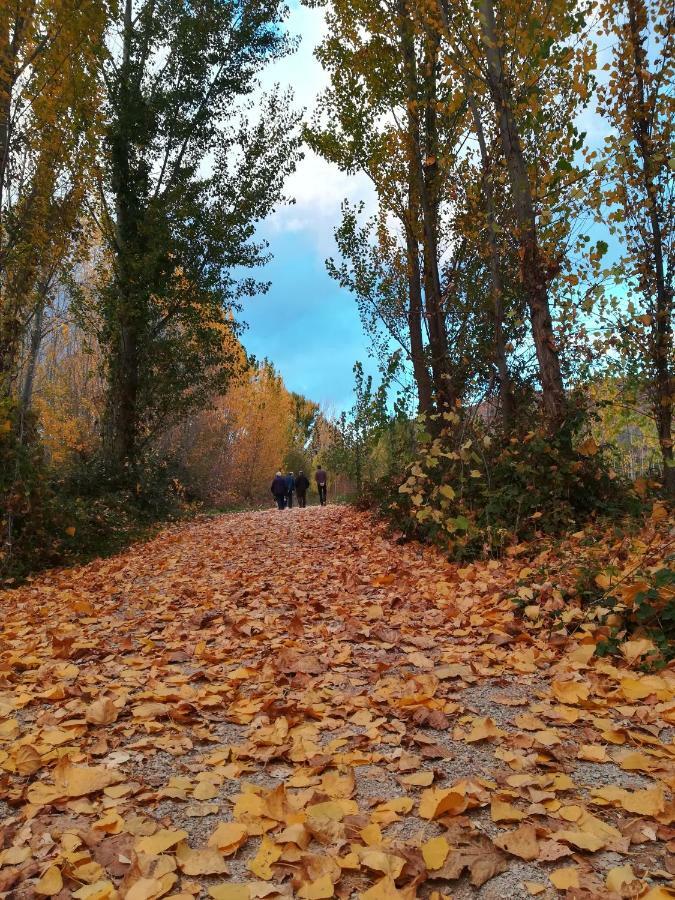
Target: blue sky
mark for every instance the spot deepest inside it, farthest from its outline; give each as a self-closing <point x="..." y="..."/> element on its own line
<point x="306" y="325"/>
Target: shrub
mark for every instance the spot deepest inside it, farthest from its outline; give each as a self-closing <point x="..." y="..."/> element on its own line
<point x="473" y="492"/>
<point x="50" y="521"/>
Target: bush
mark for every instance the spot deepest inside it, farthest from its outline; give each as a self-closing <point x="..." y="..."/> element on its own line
<point x="50" y="521"/>
<point x="474" y="493"/>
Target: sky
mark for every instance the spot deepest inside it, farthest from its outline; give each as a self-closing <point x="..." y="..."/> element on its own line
<point x="306" y="324"/>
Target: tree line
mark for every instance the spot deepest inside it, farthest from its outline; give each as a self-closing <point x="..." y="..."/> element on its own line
<point x="137" y="155"/>
<point x="512" y="259"/>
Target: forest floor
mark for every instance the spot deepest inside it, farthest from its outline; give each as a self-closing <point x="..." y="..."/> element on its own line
<point x="292" y="704"/>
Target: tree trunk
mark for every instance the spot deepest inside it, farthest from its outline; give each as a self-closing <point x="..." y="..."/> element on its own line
<point x="496" y="284"/>
<point x="33" y="351"/>
<point x="417" y="353"/>
<point x="533" y="269"/>
<point x="662" y="327"/>
<point x="123" y="378"/>
<point x="423" y="170"/>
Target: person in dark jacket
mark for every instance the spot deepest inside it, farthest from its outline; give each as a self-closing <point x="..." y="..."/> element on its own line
<point x="301" y="485"/>
<point x="279" y="490"/>
<point x="290" y="488"/>
<point x="321" y="479"/>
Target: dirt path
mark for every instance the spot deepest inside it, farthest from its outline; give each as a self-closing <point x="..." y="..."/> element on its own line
<point x="292" y="703"/>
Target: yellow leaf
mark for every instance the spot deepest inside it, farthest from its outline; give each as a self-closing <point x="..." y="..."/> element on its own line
<point x="584" y="840"/>
<point x="593" y="753"/>
<point x="483" y="730"/>
<point x="533" y="888"/>
<point x="228" y="836"/>
<point x="151" y="888"/>
<point x="320" y="889"/>
<point x="521" y="842"/>
<point x="633" y="650"/>
<point x="27" y="760"/>
<point x="14" y="856"/>
<point x="160" y="841"/>
<point x="435" y="852"/>
<point x="386" y="863"/>
<point x="567" y="877"/>
<point x="51" y="882"/>
<point x="618" y="877"/>
<point x="570" y="813"/>
<point x="206" y="861"/>
<point x="261" y="864"/>
<point x="437" y="801"/>
<point x="77" y="781"/>
<point x="101" y="890"/>
<point x="649" y="802"/>
<point x="112" y="823"/>
<point x="418" y="779"/>
<point x="384" y="890"/>
<point x="333" y="809"/>
<point x="505" y="812"/>
<point x="659" y="893"/>
<point x="638" y="688"/>
<point x="102" y="712"/>
<point x="570" y="692"/>
<point x="230" y="892"/>
<point x="371" y="834"/>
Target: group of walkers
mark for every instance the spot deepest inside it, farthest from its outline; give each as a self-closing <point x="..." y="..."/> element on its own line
<point x="285" y="486"/>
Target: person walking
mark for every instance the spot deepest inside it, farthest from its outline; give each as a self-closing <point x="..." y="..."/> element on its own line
<point x="290" y="488"/>
<point x="321" y="479"/>
<point x="301" y="485"/>
<point x="279" y="490"/>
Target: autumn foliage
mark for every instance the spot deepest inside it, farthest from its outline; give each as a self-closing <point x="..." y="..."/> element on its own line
<point x="289" y="704"/>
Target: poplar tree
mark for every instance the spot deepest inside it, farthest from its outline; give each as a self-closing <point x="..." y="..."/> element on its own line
<point x="638" y="174"/>
<point x="188" y="171"/>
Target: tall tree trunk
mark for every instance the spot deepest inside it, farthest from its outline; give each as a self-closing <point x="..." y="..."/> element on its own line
<point x="496" y="284"/>
<point x="33" y="351"/>
<point x="9" y="331"/>
<point x="417" y="353"/>
<point x="423" y="171"/>
<point x="533" y="269"/>
<point x="123" y="379"/>
<point x="662" y="342"/>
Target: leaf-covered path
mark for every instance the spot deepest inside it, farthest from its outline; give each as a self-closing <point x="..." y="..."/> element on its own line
<point x="292" y="704"/>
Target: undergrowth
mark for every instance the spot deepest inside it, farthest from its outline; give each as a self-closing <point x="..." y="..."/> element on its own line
<point x="474" y="493"/>
<point x="55" y="520"/>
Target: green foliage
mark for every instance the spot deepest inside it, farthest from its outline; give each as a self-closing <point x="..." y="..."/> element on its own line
<point x="474" y="493"/>
<point x="56" y="518"/>
<point x="369" y="440"/>
<point x="178" y="230"/>
<point x="641" y="608"/>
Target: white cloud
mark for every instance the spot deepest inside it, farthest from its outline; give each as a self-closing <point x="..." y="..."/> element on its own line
<point x="318" y="187"/>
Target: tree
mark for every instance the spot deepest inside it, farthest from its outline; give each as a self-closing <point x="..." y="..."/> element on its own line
<point x="374" y="267"/>
<point x="356" y="432"/>
<point x="48" y="117"/>
<point x="187" y="173"/>
<point x="522" y="57"/>
<point x="387" y="114"/>
<point x="638" y="170"/>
